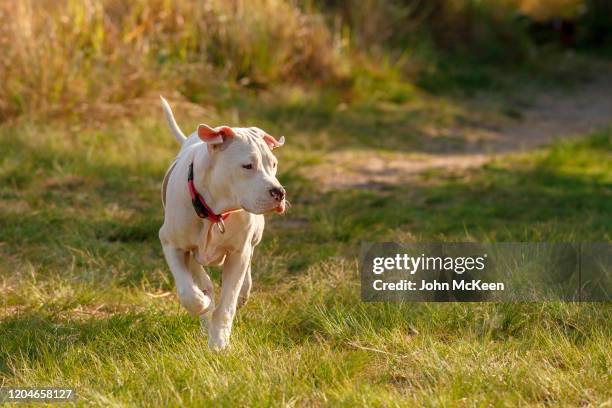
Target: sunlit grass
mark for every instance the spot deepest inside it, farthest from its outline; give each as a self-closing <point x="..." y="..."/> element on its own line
<point x="87" y="300"/>
<point x="67" y="56"/>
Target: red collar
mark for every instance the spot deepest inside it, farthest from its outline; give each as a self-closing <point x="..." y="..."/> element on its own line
<point x="199" y="204"/>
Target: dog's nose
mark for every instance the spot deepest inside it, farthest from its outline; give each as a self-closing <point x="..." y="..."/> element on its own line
<point x="277" y="193"/>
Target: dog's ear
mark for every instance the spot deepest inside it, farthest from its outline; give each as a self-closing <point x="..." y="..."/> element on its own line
<point x="214" y="136"/>
<point x="272" y="142"/>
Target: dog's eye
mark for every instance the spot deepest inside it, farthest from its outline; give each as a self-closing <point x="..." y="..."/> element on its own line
<point x="247" y="166"/>
<point x="273" y="165"/>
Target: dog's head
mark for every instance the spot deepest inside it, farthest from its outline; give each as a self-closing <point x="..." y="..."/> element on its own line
<point x="242" y="161"/>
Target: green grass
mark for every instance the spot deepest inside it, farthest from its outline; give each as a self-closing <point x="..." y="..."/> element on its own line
<point x="79" y="259"/>
<point x="86" y="298"/>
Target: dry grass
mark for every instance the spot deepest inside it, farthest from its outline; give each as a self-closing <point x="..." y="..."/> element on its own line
<point x="66" y="56"/>
<point x="61" y="55"/>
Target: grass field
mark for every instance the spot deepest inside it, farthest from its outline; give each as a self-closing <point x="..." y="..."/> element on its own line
<point x="405" y="120"/>
<point x="88" y="302"/>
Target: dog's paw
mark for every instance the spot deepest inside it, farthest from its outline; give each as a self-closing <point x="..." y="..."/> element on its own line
<point x="218" y="340"/>
<point x="194" y="300"/>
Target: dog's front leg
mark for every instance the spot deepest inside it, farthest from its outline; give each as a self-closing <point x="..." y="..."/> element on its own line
<point x="190" y="295"/>
<point x="234" y="270"/>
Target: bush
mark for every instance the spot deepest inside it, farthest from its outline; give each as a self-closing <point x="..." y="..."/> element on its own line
<point x="595" y="26"/>
<point x="63" y="54"/>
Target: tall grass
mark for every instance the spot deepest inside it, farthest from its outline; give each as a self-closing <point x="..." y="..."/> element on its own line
<point x="65" y="54"/>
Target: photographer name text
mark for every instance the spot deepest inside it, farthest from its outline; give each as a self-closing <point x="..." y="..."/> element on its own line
<point x="422" y="263"/>
<point x="473" y="285"/>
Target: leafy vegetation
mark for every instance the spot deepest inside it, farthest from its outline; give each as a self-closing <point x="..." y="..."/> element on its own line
<point x="73" y="57"/>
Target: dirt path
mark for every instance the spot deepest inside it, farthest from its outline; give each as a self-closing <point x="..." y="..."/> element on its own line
<point x="549" y="116"/>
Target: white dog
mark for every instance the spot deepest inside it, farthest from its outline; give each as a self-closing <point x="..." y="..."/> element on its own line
<point x="214" y="195"/>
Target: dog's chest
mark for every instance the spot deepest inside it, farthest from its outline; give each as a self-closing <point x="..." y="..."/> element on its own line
<point x="211" y="249"/>
<point x="242" y="230"/>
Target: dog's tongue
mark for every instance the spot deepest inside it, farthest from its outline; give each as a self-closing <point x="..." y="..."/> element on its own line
<point x="281" y="208"/>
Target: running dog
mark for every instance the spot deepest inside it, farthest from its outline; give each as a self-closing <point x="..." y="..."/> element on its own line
<point x="214" y="196"/>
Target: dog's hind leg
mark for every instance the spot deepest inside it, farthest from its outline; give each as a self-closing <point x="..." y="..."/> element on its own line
<point x="190" y="295"/>
<point x="203" y="281"/>
<point x="245" y="290"/>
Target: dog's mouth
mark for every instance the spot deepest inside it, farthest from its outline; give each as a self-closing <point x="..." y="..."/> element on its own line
<point x="277" y="208"/>
<point x="267" y="207"/>
<point x="280" y="209"/>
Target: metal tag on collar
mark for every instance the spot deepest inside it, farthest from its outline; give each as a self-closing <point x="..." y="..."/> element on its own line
<point x="221" y="225"/>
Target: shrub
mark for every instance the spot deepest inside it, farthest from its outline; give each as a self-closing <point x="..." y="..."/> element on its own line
<point x="64" y="54"/>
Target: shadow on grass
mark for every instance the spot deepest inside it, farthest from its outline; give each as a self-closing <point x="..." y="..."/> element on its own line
<point x="541" y="203"/>
<point x="115" y="214"/>
<point x="329" y="124"/>
<point x="34" y="338"/>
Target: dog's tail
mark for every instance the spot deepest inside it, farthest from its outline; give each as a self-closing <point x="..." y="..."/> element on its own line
<point x="176" y="130"/>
